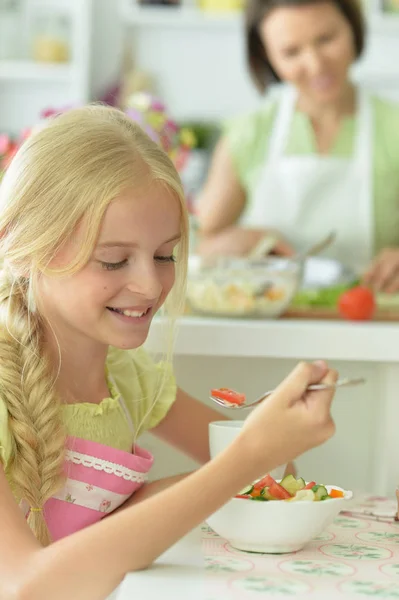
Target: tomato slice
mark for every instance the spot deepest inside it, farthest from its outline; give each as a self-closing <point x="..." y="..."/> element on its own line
<point x="278" y="492"/>
<point x="228" y="395"/>
<point x="309" y="485"/>
<point x="246" y="496"/>
<point x="266" y="481"/>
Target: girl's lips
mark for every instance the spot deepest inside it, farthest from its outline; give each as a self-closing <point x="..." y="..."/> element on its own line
<point x="133" y="311"/>
<point x="132" y="316"/>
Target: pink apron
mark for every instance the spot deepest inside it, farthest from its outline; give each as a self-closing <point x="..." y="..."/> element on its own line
<point x="99" y="479"/>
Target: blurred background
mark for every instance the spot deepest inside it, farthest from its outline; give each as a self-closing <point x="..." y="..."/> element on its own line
<point x="190" y="55"/>
<point x="179" y="68"/>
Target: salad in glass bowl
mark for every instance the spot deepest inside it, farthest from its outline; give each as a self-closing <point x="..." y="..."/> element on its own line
<point x="238" y="287"/>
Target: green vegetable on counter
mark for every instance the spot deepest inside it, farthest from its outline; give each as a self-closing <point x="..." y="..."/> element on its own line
<point x="321" y="297"/>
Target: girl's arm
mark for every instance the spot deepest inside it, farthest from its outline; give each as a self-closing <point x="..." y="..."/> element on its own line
<point x="150" y="489"/>
<point x="185" y="427"/>
<point x="90" y="564"/>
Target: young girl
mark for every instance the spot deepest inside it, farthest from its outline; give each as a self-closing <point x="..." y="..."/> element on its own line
<point x="92" y="221"/>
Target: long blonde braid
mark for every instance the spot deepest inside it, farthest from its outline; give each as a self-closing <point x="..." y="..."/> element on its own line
<point x="34" y="414"/>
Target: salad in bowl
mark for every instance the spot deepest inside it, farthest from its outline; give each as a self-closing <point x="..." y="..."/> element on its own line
<point x="289" y="489"/>
<point x="278" y="516"/>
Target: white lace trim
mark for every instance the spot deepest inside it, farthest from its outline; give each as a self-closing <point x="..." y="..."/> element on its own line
<point x="99" y="464"/>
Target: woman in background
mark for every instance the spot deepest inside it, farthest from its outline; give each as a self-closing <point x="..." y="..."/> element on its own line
<point x="322" y="156"/>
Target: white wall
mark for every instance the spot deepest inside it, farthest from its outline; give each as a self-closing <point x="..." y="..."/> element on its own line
<point x="201" y="74"/>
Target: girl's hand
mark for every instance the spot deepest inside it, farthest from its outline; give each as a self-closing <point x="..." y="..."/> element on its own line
<point x="383" y="273"/>
<point x="291" y="421"/>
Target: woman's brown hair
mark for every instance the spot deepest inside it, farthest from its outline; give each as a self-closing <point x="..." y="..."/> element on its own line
<point x="261" y="70"/>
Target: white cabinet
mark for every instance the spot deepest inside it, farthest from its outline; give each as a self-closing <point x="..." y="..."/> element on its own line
<point x="28" y="86"/>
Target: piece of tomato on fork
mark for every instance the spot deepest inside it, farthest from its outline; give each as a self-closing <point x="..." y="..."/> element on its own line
<point x="228" y="395"/>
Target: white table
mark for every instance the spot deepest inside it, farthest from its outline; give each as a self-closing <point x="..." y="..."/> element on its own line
<point x="177" y="574"/>
<point x="254" y="355"/>
<point x="354" y="559"/>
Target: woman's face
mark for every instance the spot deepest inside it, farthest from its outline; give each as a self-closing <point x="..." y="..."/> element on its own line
<point x="311" y="47"/>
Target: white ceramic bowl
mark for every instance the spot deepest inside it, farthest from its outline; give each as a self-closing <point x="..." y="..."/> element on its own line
<point x="274" y="527"/>
<point x="222" y="433"/>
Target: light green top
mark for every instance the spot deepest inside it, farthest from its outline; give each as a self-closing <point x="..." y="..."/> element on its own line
<point x="248" y="138"/>
<point x="148" y="389"/>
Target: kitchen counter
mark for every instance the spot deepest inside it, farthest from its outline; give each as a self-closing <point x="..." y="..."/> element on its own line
<point x="332" y="340"/>
<point x="254" y="355"/>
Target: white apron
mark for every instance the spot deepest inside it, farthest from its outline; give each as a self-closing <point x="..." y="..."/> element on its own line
<point x="305" y="197"/>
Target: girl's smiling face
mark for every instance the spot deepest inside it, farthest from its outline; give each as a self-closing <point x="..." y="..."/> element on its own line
<point x="112" y="300"/>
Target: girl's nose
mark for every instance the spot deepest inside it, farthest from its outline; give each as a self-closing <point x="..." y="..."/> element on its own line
<point x="145" y="281"/>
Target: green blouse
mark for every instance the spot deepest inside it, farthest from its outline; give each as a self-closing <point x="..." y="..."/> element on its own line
<point x="248" y="137"/>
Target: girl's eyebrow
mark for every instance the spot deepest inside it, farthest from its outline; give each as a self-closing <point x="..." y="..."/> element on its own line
<point x="119" y="244"/>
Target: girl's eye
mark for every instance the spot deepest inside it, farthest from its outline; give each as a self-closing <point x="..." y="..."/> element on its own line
<point x="108" y="266"/>
<point x="165" y="259"/>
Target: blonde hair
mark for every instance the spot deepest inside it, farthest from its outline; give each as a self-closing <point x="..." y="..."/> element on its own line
<point x="65" y="174"/>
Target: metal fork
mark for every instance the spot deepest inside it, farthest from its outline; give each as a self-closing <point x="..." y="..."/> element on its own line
<point x="346" y="382"/>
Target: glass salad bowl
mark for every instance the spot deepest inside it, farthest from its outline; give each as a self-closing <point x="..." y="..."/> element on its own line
<point x="239" y="287"/>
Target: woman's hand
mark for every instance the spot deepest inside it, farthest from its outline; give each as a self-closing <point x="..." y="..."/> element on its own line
<point x="291" y="421"/>
<point x="241" y="241"/>
<point x="383" y="273"/>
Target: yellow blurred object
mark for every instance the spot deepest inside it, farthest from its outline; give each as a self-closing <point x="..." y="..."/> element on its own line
<point x="50" y="49"/>
<point x="134" y="80"/>
<point x="52" y="37"/>
<point x="221" y="5"/>
<point x="187" y="137"/>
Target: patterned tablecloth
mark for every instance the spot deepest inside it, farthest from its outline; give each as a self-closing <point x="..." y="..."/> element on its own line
<point x="354" y="558"/>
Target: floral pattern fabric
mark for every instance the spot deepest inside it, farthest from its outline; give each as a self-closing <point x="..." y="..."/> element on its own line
<point x="354" y="559"/>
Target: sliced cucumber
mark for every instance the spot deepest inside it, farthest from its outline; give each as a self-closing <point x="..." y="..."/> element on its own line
<point x="300" y="483"/>
<point x="247" y="490"/>
<point x="320" y="492"/>
<point x="266" y="494"/>
<point x="302" y="495"/>
<point x="289" y="484"/>
<point x="292" y="485"/>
